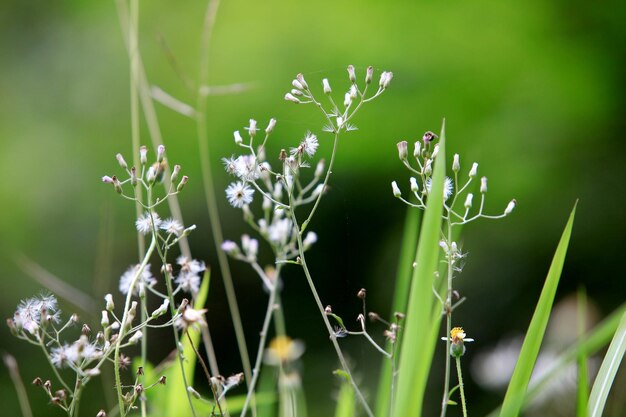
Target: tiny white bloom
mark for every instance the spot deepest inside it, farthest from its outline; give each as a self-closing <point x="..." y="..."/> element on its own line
<point x="239" y="194"/>
<point x="246" y="168"/>
<point x="396" y="191"/>
<point x="144" y="279"/>
<point x="280" y="230"/>
<point x="230" y="247"/>
<point x="468" y="200"/>
<point x="510" y="206"/>
<point x="147" y="222"/>
<point x="309" y="240"/>
<point x="448" y="187"/>
<point x="172" y="226"/>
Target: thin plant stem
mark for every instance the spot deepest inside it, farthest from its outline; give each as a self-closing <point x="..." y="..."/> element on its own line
<point x="460" y="374"/>
<point x="121" y="334"/>
<point x="259" y="355"/>
<point x="209" y="190"/>
<point x="206" y="373"/>
<point x="448" y="310"/>
<point x="22" y="396"/>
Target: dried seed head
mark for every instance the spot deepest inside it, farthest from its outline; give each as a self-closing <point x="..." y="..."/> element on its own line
<point x="101" y="413"/>
<point x="361" y="293"/>
<point x="37" y="382"/>
<point x="328" y="309"/>
<point x="163" y="380"/>
<point x="85" y="330"/>
<point x="399" y="316"/>
<point x="373" y="316"/>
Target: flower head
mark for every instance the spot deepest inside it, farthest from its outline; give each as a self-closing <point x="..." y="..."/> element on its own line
<point x="148" y="222"/>
<point x="448" y="187"/>
<point x="145" y="279"/>
<point x="171" y="226"/>
<point x="239" y="194"/>
<point x="457" y="339"/>
<point x="308" y="145"/>
<point x="283" y="349"/>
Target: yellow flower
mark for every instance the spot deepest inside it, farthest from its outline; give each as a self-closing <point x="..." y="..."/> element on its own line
<point x="283" y="349"/>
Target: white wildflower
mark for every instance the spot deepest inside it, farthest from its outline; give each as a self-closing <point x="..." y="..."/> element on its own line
<point x="246" y="168"/>
<point x="144" y="279"/>
<point x="239" y="194"/>
<point x="448" y="187"/>
<point x="148" y="222"/>
<point x="172" y="226"/>
<point x="308" y="145"/>
<point x="279" y="231"/>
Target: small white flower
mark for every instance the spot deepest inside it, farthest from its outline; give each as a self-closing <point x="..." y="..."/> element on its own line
<point x="448" y="187"/>
<point x="191" y="317"/>
<point x="188" y="282"/>
<point x="239" y="194"/>
<point x="414" y="186"/>
<point x="468" y="200"/>
<point x="28" y="313"/>
<point x="230" y="247"/>
<point x="172" y="226"/>
<point x="250" y="247"/>
<point x="246" y="168"/>
<point x="230" y="165"/>
<point x="396" y="191"/>
<point x="309" y="240"/>
<point x="144" y="279"/>
<point x="147" y="222"/>
<point x="135" y="337"/>
<point x="279" y="231"/>
<point x="308" y="145"/>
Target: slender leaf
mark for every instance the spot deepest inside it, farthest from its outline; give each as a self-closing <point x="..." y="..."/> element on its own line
<point x="608" y="369"/>
<point x="403" y="282"/>
<point x="582" y="391"/>
<point x="417" y="345"/>
<point x="176" y="403"/>
<point x="346" y="402"/>
<point x="516" y="391"/>
<point x="594" y="341"/>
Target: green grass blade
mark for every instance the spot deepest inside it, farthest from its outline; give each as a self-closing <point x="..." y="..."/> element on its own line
<point x="593" y="342"/>
<point x="417" y="345"/>
<point x="582" y="391"/>
<point x="608" y="369"/>
<point x="403" y="282"/>
<point x="514" y="398"/>
<point x="346" y="403"/>
<point x="176" y="400"/>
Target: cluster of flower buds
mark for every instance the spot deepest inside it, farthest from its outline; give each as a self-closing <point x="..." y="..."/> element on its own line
<point x="148" y="175"/>
<point x="455" y="190"/>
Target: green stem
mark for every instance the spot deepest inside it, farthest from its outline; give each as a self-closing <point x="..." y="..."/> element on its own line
<point x="121" y="334"/>
<point x="448" y="309"/>
<point x="458" y="371"/>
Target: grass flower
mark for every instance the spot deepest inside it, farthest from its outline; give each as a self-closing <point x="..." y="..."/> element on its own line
<point x="239" y="194"/>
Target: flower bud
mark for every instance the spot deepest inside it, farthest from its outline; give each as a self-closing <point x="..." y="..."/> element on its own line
<point x="361" y="294"/>
<point x="403" y="150"/>
<point x="351" y="73"/>
<point x="160" y="153"/>
<point x="474" y="170"/>
<point x="105" y="319"/>
<point x="456" y="164"/>
<point x="182" y="183"/>
<point x="417" y="149"/>
<point x="347" y="100"/>
<point x="328" y="310"/>
<point x="175" y="173"/>
<point x="238" y="138"/>
<point x="428" y="167"/>
<point x="414" y="186"/>
<point x="270" y="126"/>
<point x="428" y="137"/>
<point x="326" y="86"/>
<point x="133" y="176"/>
<point x="117" y="185"/>
<point x="319" y="168"/>
<point x="252" y="128"/>
<point x="135" y="337"/>
<point x="509" y="208"/>
<point x="297" y="85"/>
<point x="354" y="92"/>
<point x="468" y="200"/>
<point x="230" y="247"/>
<point x="143" y="155"/>
<point x="396" y="190"/>
<point x="162" y="309"/>
<point x="300" y="79"/>
<point x="109" y="302"/>
<point x="292" y="98"/>
<point x="309" y="240"/>
<point x="369" y="74"/>
<point x="194" y="393"/>
<point x="435" y="151"/>
<point x="483" y="185"/>
<point x="107" y="180"/>
<point x="121" y="161"/>
<point x="385" y="79"/>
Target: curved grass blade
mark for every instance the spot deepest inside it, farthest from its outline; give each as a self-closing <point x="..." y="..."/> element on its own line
<point x="403" y="282"/>
<point x="417" y="345"/>
<point x="593" y="342"/>
<point x="608" y="369"/>
<point x="582" y="390"/>
<point x="514" y="398"/>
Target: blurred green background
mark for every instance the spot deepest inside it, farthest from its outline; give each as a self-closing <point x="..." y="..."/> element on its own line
<point x="534" y="91"/>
